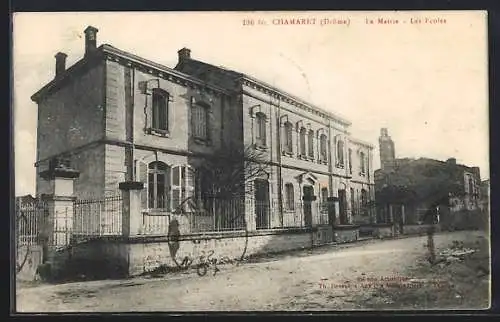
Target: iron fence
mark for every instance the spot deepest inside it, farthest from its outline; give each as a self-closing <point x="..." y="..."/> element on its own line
<point x="219" y="215"/>
<point x="31" y="218"/>
<point x="96" y="217"/>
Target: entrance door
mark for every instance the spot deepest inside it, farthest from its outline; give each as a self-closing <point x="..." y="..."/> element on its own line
<point x="307" y="198"/>
<point x="342" y="207"/>
<point x="262" y="203"/>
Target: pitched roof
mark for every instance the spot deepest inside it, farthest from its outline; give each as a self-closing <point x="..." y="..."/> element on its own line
<point x="229" y="78"/>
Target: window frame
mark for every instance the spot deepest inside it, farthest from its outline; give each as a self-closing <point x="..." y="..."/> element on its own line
<point x="153" y="201"/>
<point x="310" y="142"/>
<point x="155" y="125"/>
<point x="340" y="154"/>
<point x="288" y="138"/>
<point x="206" y="108"/>
<point x="323" y="148"/>
<point x="302" y="141"/>
<point x="362" y="163"/>
<point x="261" y="133"/>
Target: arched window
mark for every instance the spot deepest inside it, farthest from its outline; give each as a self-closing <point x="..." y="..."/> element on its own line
<point x="311" y="143"/>
<point x="200" y="120"/>
<point x="289" y="198"/>
<point x="287" y="137"/>
<point x="261" y="129"/>
<point x="158" y="185"/>
<point x="303" y="141"/>
<point x="322" y="147"/>
<point x="362" y="161"/>
<point x="160" y="110"/>
<point x="340" y="153"/>
<point x="183" y="182"/>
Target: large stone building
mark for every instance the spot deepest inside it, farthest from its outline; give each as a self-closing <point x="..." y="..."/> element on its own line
<point x="119" y="117"/>
<point x="407" y="189"/>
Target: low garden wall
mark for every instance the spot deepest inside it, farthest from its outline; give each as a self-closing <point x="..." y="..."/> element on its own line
<point x="346" y="233"/>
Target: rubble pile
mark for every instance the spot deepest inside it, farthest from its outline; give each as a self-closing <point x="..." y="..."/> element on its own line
<point x="457" y="252"/>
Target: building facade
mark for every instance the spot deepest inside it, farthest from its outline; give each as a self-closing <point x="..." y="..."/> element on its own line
<point x="118" y="117"/>
<point x="408" y="189"/>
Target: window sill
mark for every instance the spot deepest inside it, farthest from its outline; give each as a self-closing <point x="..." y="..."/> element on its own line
<point x="322" y="162"/>
<point x="157" y="132"/>
<point x="340" y="166"/>
<point x="288" y="154"/>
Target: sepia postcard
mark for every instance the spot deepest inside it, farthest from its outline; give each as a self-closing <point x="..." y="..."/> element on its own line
<point x="251" y="161"/>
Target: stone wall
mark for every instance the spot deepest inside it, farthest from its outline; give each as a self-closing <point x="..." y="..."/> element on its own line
<point x="346" y="234"/>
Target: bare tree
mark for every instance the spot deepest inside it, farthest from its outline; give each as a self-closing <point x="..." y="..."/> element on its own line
<point x="226" y="180"/>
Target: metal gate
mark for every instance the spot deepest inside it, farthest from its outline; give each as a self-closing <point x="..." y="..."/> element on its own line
<point x="30" y="222"/>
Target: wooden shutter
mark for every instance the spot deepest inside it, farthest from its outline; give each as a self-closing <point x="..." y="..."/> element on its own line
<point x="142" y="176"/>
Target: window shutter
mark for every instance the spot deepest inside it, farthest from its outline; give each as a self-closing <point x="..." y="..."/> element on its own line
<point x="142" y="176"/>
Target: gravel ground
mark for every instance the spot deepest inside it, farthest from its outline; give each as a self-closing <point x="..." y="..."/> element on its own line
<point x="326" y="279"/>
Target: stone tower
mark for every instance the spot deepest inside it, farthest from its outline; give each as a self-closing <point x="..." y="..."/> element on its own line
<point x="387" y="151"/>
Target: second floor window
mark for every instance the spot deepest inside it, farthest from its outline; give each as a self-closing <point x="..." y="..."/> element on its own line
<point x="160" y="110"/>
<point x="340" y="153"/>
<point x="200" y="121"/>
<point x="311" y="143"/>
<point x="303" y="141"/>
<point x="362" y="160"/>
<point x="287" y="137"/>
<point x="261" y="129"/>
<point x="322" y="147"/>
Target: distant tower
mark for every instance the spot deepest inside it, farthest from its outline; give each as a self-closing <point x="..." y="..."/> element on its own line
<point x="387" y="152"/>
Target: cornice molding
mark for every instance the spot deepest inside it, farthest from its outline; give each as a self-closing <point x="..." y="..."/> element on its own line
<point x="287" y="98"/>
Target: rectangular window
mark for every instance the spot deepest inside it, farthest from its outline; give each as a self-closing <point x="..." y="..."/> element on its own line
<point x="200" y="121"/>
<point x="160" y="110"/>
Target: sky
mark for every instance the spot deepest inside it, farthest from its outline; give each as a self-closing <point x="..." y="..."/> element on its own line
<point x="423" y="75"/>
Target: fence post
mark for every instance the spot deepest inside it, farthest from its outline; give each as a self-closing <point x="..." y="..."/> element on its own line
<point x="60" y="200"/>
<point x="131" y="207"/>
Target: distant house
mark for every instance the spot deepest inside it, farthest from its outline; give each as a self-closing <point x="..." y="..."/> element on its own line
<point x="408" y="189"/>
<point x="484" y="202"/>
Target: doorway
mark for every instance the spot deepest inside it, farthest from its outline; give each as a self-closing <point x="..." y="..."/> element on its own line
<point x="307" y="198"/>
<point x="261" y="203"/>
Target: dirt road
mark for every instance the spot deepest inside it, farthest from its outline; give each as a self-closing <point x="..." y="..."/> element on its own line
<point x="336" y="279"/>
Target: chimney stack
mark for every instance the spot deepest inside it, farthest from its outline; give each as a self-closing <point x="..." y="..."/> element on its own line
<point x="452" y="161"/>
<point x="60" y="63"/>
<point x="184" y="54"/>
<point x="90" y="39"/>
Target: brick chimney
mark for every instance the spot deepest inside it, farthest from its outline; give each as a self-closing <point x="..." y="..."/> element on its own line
<point x="90" y="39"/>
<point x="184" y="54"/>
<point x="60" y="63"/>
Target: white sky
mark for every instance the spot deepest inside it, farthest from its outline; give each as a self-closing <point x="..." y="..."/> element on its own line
<point x="427" y="83"/>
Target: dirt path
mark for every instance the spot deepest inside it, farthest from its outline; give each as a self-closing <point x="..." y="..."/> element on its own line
<point x="331" y="280"/>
